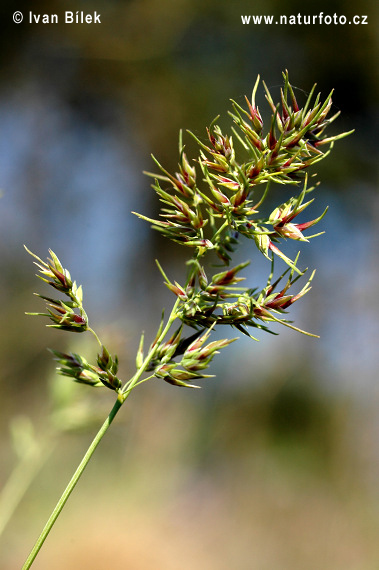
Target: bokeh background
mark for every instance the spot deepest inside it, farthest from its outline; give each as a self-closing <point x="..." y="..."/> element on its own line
<point x="273" y="465"/>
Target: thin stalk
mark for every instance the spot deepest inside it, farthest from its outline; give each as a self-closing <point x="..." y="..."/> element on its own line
<point x="128" y="390"/>
<point x="95" y="335"/>
<point x="83" y="464"/>
<point x="70" y="487"/>
<point x="220" y="229"/>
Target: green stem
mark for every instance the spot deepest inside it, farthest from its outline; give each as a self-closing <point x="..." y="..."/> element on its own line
<point x="70" y="487"/>
<point x="95" y="335"/>
<point x="135" y="380"/>
<point x="220" y="229"/>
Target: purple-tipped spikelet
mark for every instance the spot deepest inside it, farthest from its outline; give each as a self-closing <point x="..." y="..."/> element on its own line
<point x="209" y="204"/>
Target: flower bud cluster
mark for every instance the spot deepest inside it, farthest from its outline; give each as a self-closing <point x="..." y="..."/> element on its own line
<point x="78" y="368"/>
<point x="195" y="358"/>
<point x="282" y="226"/>
<point x="219" y="301"/>
<point x="282" y="218"/>
<point x="107" y="369"/>
<point x="207" y="205"/>
<point x="210" y="211"/>
<point x="252" y="307"/>
<point x="65" y="315"/>
<point x="71" y="316"/>
<point x="181" y="359"/>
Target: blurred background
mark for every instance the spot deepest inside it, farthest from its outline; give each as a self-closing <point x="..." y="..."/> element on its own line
<point x="274" y="464"/>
